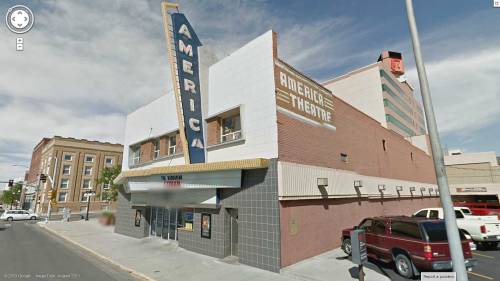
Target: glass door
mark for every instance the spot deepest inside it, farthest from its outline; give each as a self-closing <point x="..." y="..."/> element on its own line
<point x="173" y="225"/>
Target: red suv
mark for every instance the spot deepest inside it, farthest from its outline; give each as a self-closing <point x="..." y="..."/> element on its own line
<point x="414" y="244"/>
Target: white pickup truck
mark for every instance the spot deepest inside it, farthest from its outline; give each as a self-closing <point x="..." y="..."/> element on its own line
<point x="484" y="230"/>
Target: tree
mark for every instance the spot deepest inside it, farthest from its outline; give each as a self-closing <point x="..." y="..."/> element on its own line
<point x="108" y="175"/>
<point x="13" y="194"/>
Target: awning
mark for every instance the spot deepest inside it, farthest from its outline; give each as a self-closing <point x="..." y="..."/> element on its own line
<point x="246" y="164"/>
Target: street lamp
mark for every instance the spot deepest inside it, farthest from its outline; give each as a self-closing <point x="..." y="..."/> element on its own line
<point x="455" y="244"/>
<point x="89" y="194"/>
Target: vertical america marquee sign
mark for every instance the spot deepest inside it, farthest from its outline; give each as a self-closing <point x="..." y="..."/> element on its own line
<point x="183" y="46"/>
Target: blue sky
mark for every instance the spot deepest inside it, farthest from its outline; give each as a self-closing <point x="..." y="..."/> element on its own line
<point x="87" y="64"/>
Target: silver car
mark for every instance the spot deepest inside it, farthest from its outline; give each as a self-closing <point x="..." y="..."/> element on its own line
<point x="15" y="215"/>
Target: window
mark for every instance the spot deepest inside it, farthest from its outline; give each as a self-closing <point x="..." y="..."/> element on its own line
<point x="109" y="161"/>
<point x="106" y="186"/>
<point x="436" y="231"/>
<point x="459" y="214"/>
<point x="406" y="229"/>
<point x="83" y="209"/>
<point x="87" y="170"/>
<point x="367" y="225"/>
<point x="343" y="157"/>
<point x="383" y="145"/>
<point x="64" y="183"/>
<point x="466" y="211"/>
<point x="68" y="157"/>
<point x="62" y="197"/>
<point x="135" y="154"/>
<point x="379" y="227"/>
<point x="156" y="149"/>
<point x="89" y="159"/>
<point x="411" y="155"/>
<point x="172" y="144"/>
<point x="231" y="128"/>
<point x="421" y="214"/>
<point x="66" y="169"/>
<point x="86" y="184"/>
<point x="434" y="214"/>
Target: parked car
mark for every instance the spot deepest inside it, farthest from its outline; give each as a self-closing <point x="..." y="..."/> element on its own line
<point x="413" y="244"/>
<point x="14" y="215"/>
<point x="484" y="230"/>
<point x="482" y="209"/>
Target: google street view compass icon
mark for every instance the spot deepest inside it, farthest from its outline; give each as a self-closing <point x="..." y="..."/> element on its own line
<point x="19" y="19"/>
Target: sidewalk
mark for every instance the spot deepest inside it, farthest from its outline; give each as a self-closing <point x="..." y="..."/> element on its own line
<point x="159" y="259"/>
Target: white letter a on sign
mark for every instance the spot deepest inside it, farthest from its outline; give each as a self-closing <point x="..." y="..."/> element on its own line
<point x="185" y="30"/>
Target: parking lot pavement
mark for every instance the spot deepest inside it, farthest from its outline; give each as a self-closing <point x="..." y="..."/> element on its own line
<point x="488" y="267"/>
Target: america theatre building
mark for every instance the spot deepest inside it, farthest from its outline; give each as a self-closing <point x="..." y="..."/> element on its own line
<point x="286" y="165"/>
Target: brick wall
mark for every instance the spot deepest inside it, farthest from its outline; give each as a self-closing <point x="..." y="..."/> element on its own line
<point x="213" y="131"/>
<point x="358" y="136"/>
<point x="311" y="227"/>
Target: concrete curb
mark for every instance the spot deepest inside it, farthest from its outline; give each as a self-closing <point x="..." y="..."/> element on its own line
<point x="133" y="272"/>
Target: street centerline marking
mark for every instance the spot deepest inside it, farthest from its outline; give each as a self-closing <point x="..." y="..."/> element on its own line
<point x="482" y="255"/>
<point x="480" y="275"/>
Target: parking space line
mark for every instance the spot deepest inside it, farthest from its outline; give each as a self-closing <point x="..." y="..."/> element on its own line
<point x="480" y="275"/>
<point x="482" y="255"/>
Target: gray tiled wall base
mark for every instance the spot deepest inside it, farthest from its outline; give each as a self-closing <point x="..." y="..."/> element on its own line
<point x="125" y="218"/>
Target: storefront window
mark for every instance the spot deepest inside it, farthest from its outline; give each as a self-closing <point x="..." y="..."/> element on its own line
<point x="186" y="219"/>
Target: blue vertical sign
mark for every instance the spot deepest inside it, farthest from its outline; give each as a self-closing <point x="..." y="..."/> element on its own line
<point x="186" y="45"/>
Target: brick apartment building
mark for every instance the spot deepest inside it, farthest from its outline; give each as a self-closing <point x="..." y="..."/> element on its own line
<point x="75" y="165"/>
<point x="288" y="165"/>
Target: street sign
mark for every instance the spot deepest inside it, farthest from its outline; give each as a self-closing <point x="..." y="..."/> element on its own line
<point x="358" y="243"/>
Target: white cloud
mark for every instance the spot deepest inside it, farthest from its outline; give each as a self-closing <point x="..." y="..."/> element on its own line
<point x="462" y="67"/>
<point x="85" y="66"/>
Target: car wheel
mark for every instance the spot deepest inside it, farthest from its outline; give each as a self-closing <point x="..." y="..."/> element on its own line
<point x="346" y="246"/>
<point x="33" y="218"/>
<point x="10" y="219"/>
<point x="404" y="266"/>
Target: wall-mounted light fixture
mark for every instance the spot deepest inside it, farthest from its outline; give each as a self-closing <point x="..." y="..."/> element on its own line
<point x="399" y="188"/>
<point x="422" y="189"/>
<point x="381" y="187"/>
<point x="412" y="188"/>
<point x="430" y="189"/>
<point x="322" y="182"/>
<point x="358" y="183"/>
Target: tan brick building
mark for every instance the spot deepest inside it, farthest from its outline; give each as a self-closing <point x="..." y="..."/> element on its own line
<point x="75" y="165"/>
<point x="473" y="177"/>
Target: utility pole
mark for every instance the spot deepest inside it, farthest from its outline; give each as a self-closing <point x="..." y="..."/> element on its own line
<point x="455" y="244"/>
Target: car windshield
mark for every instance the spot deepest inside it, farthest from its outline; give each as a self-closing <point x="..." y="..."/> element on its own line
<point x="436" y="231"/>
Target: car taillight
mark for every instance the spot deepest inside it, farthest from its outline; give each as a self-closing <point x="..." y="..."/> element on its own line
<point x="483" y="228"/>
<point x="428" y="252"/>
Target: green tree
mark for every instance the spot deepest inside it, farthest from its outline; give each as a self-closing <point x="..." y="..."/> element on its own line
<point x="13" y="194"/>
<point x="108" y="175"/>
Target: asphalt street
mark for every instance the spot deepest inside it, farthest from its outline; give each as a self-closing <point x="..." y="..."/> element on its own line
<point x="28" y="252"/>
<point x="488" y="267"/>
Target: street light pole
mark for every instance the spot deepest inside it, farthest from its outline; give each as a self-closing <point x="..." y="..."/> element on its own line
<point x="455" y="244"/>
